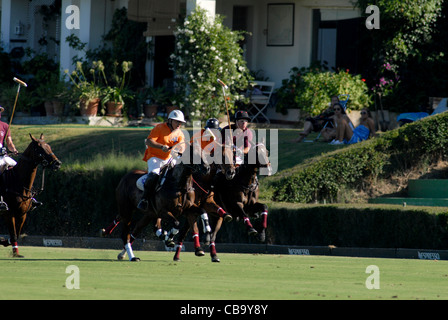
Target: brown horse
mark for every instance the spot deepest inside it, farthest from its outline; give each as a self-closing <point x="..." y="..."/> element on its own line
<point x="239" y="196"/>
<point x="204" y="199"/>
<point x="175" y="197"/>
<point x="17" y="187"/>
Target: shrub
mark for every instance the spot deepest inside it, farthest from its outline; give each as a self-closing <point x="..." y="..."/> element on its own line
<point x="206" y="51"/>
<point x="311" y="89"/>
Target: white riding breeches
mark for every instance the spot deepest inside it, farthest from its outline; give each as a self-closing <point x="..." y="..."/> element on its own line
<point x="154" y="165"/>
<point x="5" y="162"/>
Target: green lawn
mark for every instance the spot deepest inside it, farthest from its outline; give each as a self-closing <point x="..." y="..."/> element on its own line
<point x="42" y="275"/>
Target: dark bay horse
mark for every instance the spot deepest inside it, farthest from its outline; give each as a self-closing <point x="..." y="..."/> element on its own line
<point x="175" y="197"/>
<point x="239" y="196"/>
<point x="204" y="199"/>
<point x="16" y="186"/>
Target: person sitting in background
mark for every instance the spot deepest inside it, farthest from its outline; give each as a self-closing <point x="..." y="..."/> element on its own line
<point x="317" y="123"/>
<point x="329" y="133"/>
<point x="365" y="130"/>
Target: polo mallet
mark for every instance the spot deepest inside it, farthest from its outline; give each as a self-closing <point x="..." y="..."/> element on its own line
<point x="224" y="87"/>
<point x="21" y="83"/>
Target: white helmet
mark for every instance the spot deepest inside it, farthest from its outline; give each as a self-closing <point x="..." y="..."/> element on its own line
<point x="177" y="115"/>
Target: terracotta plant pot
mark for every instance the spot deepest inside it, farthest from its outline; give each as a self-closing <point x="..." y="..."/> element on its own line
<point x="91" y="109"/>
<point x="171" y="108"/>
<point x="150" y="110"/>
<point x="49" y="110"/>
<point x="58" y="107"/>
<point x="113" y="109"/>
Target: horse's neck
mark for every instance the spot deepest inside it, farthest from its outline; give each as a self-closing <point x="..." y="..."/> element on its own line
<point x="180" y="177"/>
<point x="26" y="172"/>
<point x="248" y="174"/>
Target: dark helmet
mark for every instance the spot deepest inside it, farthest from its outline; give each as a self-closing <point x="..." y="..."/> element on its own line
<point x="242" y="115"/>
<point x="212" y="123"/>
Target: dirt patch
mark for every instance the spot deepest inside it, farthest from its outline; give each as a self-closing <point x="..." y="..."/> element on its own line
<point x="397" y="185"/>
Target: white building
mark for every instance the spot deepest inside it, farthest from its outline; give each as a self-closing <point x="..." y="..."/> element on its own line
<point x="285" y="34"/>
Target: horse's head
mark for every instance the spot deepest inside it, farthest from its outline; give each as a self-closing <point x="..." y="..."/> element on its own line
<point x="40" y="153"/>
<point x="261" y="155"/>
<point x="228" y="163"/>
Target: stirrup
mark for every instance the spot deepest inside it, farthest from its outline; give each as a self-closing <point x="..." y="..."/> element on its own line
<point x="3" y="206"/>
<point x="143" y="205"/>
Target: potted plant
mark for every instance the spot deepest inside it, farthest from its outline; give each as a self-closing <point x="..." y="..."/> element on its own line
<point x="114" y="95"/>
<point x="156" y="97"/>
<point x="172" y="102"/>
<point x="88" y="89"/>
<point x="50" y="93"/>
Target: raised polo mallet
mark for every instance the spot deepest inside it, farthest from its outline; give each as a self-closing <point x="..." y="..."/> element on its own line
<point x="21" y="83"/>
<point x="224" y="87"/>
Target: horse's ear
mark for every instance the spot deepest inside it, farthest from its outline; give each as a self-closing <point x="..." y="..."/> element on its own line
<point x="41" y="136"/>
<point x="32" y="138"/>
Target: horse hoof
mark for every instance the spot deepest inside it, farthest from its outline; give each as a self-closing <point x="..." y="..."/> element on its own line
<point x="121" y="256"/>
<point x="215" y="259"/>
<point x="252" y="232"/>
<point x="227" y="218"/>
<point x="175" y="259"/>
<point x="170" y="243"/>
<point x="16" y="255"/>
<point x="102" y="233"/>
<point x="135" y="259"/>
<point x="199" y="252"/>
<point x="261" y="236"/>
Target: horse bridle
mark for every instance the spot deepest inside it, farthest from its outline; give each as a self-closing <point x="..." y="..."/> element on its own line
<point x="41" y="159"/>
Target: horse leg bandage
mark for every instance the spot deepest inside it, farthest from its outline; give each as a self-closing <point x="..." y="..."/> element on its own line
<point x="221" y="212"/>
<point x="128" y="248"/>
<point x="212" y="249"/>
<point x="196" y="240"/>
<point x="264" y="219"/>
<point x="178" y="250"/>
<point x="205" y="223"/>
<point x="247" y="222"/>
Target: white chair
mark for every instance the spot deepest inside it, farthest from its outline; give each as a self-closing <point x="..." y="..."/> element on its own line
<point x="259" y="99"/>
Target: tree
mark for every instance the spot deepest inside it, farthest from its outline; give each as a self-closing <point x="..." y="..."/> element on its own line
<point x="403" y="47"/>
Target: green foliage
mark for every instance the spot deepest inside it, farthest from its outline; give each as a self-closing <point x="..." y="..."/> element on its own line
<point x="405" y="147"/>
<point x="311" y="89"/>
<point x="412" y="43"/>
<point x="206" y="51"/>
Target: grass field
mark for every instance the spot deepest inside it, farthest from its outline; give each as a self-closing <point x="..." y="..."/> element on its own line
<point x="42" y="275"/>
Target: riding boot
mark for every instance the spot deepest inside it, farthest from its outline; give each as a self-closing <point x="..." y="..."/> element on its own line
<point x="150" y="186"/>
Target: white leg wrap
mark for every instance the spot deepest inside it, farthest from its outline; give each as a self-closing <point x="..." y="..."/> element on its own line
<point x="128" y="248"/>
<point x="205" y="223"/>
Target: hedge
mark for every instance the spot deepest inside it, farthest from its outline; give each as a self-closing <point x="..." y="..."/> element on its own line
<point x="393" y="152"/>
